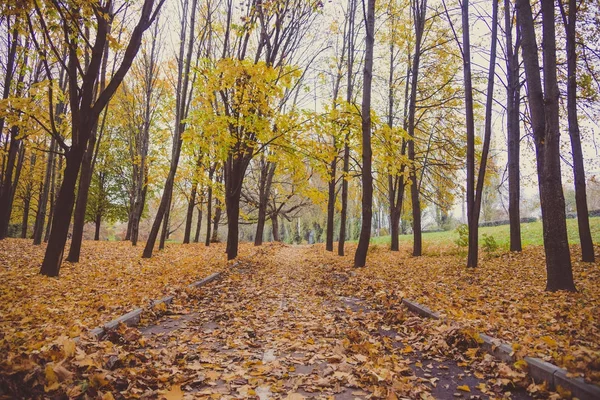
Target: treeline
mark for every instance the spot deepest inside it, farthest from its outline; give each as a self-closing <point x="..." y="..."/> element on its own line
<point x="191" y="115"/>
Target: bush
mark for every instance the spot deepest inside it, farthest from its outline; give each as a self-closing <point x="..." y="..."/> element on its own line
<point x="463" y="237"/>
<point x="489" y="244"/>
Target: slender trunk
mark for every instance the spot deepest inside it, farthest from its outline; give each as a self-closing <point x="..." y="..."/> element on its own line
<point x="164" y="233"/>
<point x="267" y="173"/>
<point x="235" y="169"/>
<point x="62" y="213"/>
<point x="360" y="257"/>
<point x="138" y="209"/>
<point x="208" y="215"/>
<point x="544" y="115"/>
<point x="513" y="133"/>
<point x="98" y="221"/>
<point x="198" y="224"/>
<point x="8" y="185"/>
<point x="275" y="227"/>
<point x="346" y="159"/>
<point x="331" y="204"/>
<point x="25" y="220"/>
<point x="53" y="196"/>
<point x="215" y="230"/>
<point x="40" y="218"/>
<point x="181" y="114"/>
<point x="583" y="223"/>
<point x="419" y="12"/>
<point x="190" y="215"/>
<point x="473" y="223"/>
<point x="85" y="179"/>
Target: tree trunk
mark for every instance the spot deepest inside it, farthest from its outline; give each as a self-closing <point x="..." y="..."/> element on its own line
<point x="198" y="224"/>
<point x="53" y="195"/>
<point x="583" y="223"/>
<point x="419" y="12"/>
<point x="138" y="209"/>
<point x="360" y="257"/>
<point x="275" y="227"/>
<point x="346" y="159"/>
<point x="181" y="115"/>
<point x="85" y="179"/>
<point x="62" y="213"/>
<point x="208" y="213"/>
<point x="98" y="222"/>
<point x="266" y="180"/>
<point x="513" y="100"/>
<point x="190" y="215"/>
<point x="474" y="223"/>
<point x="331" y="204"/>
<point x="544" y="115"/>
<point x="164" y="233"/>
<point x="7" y="192"/>
<point x="215" y="230"/>
<point x="40" y="218"/>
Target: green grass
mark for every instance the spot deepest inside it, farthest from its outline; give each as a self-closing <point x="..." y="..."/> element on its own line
<point x="531" y="234"/>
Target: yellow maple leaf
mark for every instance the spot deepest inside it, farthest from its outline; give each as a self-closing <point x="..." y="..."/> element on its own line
<point x="174" y="394"/>
<point x="464" y="388"/>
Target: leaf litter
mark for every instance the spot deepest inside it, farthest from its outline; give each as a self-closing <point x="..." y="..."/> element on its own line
<point x="288" y="322"/>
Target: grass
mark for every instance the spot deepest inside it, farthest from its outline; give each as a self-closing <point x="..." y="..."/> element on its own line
<point x="531" y="234"/>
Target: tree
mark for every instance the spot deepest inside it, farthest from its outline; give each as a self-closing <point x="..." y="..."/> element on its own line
<point x="544" y="110"/>
<point x="360" y="257"/>
<point x="585" y="237"/>
<point x="184" y="94"/>
<point x="85" y="103"/>
<point x="513" y="134"/>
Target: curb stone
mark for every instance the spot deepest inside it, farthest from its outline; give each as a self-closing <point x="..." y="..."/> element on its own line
<point x="132" y="318"/>
<point x="539" y="370"/>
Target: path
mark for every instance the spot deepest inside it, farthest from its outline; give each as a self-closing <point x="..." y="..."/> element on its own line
<point x="287" y="328"/>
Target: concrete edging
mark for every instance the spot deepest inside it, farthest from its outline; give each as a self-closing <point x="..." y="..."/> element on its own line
<point x="539" y="370"/>
<point x="132" y="318"/>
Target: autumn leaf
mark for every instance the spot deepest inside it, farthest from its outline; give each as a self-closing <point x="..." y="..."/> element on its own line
<point x="464" y="388"/>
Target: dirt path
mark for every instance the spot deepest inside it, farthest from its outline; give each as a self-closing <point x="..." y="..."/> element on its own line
<point x="281" y="326"/>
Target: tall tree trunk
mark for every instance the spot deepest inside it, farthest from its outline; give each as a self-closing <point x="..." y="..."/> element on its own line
<point x="53" y="195"/>
<point x="138" y="209"/>
<point x="98" y="222"/>
<point x="346" y="158"/>
<point x="583" y="223"/>
<point x="544" y="115"/>
<point x="474" y="222"/>
<point x="360" y="257"/>
<point x="181" y="115"/>
<point x="215" y="230"/>
<point x="198" y="224"/>
<point x="40" y="218"/>
<point x="275" y="227"/>
<point x="164" y="233"/>
<point x="470" y="124"/>
<point x="7" y="192"/>
<point x="513" y="99"/>
<point x="235" y="169"/>
<point x="190" y="215"/>
<point x="266" y="180"/>
<point x="331" y="203"/>
<point x="209" y="209"/>
<point x="85" y="179"/>
<point x="419" y="13"/>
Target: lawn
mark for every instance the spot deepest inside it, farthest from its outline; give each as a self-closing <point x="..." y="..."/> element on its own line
<point x="531" y="234"/>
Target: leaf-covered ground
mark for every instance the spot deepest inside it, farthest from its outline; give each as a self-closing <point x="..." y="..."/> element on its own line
<point x="298" y="322"/>
<point x="110" y="279"/>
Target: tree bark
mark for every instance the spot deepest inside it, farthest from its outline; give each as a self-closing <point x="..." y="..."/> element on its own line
<point x="190" y="215"/>
<point x="275" y="227"/>
<point x="331" y="203"/>
<point x="346" y="158"/>
<point x="7" y="192"/>
<point x="85" y="179"/>
<point x="209" y="209"/>
<point x="198" y="224"/>
<point x="513" y="99"/>
<point x="98" y="222"/>
<point x="472" y="257"/>
<point x="40" y="218"/>
<point x="266" y="180"/>
<point x="544" y="115"/>
<point x="583" y="223"/>
<point x="360" y="257"/>
<point x="419" y="13"/>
